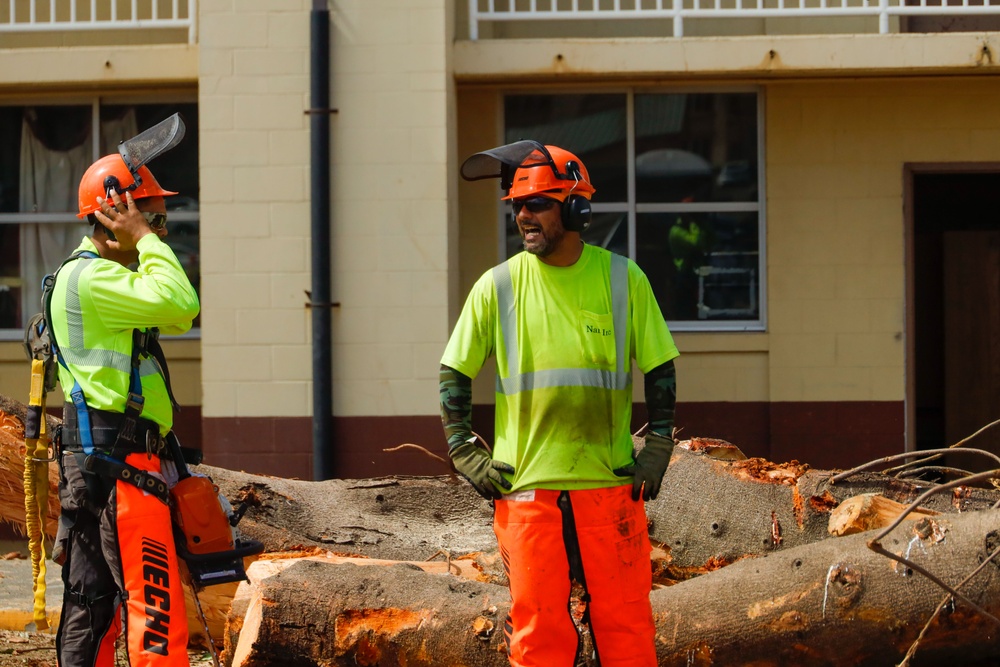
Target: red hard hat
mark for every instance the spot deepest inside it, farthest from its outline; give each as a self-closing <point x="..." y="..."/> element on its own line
<point x="99" y="180"/>
<point x="563" y="176"/>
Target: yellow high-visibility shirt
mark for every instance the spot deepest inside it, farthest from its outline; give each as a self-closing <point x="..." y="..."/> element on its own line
<point x="95" y="305"/>
<point x="564" y="340"/>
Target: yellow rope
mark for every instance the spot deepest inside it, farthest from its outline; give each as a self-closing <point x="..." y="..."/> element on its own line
<point x="36" y="491"/>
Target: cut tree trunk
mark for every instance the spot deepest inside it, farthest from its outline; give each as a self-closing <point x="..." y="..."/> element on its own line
<point x="316" y="613"/>
<point x="870" y="511"/>
<point x="831" y="603"/>
<point x="836" y="602"/>
<point x="715" y="508"/>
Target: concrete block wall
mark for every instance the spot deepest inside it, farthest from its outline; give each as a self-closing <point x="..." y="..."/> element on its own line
<point x="836" y="266"/>
<point x="254" y="153"/>
<point x="389" y="192"/>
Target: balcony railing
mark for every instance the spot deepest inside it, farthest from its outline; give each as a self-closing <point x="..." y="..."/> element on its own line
<point x="82" y="15"/>
<point x="677" y="11"/>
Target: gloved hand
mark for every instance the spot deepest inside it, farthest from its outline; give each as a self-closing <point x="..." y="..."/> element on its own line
<point x="475" y="465"/>
<point x="649" y="467"/>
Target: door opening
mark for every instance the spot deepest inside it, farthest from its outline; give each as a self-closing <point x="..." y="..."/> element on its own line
<point x="953" y="364"/>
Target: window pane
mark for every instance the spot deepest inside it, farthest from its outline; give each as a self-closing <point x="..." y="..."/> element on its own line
<point x="696" y="147"/>
<point x="702" y="266"/>
<point x="44" y="151"/>
<point x="590" y="126"/>
<point x="10" y="279"/>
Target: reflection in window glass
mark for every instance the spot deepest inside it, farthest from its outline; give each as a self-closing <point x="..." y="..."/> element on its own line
<point x="696" y="147"/>
<point x="702" y="266"/>
<point x="695" y="200"/>
<point x="592" y="127"/>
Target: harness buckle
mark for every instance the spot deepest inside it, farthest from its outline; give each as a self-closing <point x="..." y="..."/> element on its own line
<point x="154" y="443"/>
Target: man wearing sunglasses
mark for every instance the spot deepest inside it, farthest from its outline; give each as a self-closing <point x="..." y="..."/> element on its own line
<point x="115" y="541"/>
<point x="564" y="320"/>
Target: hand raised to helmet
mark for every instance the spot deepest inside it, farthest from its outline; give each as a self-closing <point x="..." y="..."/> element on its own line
<point x="123" y="219"/>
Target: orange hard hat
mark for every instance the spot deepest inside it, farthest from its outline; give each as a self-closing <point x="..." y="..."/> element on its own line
<point x="111" y="173"/>
<point x="555" y="173"/>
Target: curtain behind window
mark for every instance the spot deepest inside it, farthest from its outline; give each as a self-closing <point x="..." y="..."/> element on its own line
<point x="55" y="152"/>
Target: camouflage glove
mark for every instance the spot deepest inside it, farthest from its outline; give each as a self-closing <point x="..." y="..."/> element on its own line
<point x="649" y="467"/>
<point x="475" y="465"/>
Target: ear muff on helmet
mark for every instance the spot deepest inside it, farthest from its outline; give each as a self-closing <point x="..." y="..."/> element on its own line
<point x="576" y="213"/>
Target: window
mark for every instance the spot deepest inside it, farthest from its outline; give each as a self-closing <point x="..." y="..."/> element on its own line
<point x="44" y="150"/>
<point x="678" y="190"/>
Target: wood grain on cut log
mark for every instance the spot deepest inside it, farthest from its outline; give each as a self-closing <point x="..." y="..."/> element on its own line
<point x="315" y="613"/>
<point x="870" y="511"/>
<point x="828" y="604"/>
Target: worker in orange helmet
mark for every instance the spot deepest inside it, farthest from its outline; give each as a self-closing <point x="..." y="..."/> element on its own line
<point x="115" y="542"/>
<point x="564" y="320"/>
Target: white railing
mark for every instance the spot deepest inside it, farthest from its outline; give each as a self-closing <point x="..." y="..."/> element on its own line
<point x="677" y="10"/>
<point x="75" y="15"/>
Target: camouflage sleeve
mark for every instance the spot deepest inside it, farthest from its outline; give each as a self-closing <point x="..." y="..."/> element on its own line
<point x="456" y="406"/>
<point x="661" y="397"/>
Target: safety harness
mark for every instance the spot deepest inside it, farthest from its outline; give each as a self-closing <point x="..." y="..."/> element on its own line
<point x="81" y="441"/>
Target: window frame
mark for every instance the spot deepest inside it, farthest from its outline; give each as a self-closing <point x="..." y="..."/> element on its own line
<point x="95" y="102"/>
<point x="632" y="209"/>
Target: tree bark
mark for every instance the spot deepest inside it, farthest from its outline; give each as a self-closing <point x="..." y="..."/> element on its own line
<point x="316" y="613"/>
<point x="831" y="603"/>
<point x="715" y="508"/>
<point x="793" y="595"/>
<point x="836" y="602"/>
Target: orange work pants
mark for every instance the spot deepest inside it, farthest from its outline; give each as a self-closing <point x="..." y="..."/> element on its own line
<point x="532" y="529"/>
<point x="120" y="573"/>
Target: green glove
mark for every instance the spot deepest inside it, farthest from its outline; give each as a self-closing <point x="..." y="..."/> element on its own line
<point x="649" y="467"/>
<point x="475" y="465"/>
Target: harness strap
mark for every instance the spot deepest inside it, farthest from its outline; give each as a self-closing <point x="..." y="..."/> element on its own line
<point x="143" y="343"/>
<point x="101" y="464"/>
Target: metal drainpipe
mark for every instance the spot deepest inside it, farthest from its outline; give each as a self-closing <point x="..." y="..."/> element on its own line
<point x="322" y="339"/>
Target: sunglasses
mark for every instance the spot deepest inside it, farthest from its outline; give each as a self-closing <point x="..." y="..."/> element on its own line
<point x="533" y="204"/>
<point x="157" y="221"/>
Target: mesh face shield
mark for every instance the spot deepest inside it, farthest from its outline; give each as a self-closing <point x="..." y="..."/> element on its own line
<point x="151" y="143"/>
<point x="501" y="162"/>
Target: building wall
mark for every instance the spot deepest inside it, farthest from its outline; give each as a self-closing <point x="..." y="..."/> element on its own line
<point x="390" y="216"/>
<point x="32" y="75"/>
<point x="826" y="384"/>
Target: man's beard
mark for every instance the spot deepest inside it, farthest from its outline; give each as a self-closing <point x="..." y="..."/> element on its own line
<point x="543" y="245"/>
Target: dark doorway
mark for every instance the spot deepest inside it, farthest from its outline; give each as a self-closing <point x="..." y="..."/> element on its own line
<point x="954" y="364"/>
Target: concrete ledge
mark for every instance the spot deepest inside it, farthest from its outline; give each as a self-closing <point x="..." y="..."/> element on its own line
<point x="752" y="57"/>
<point x="22" y="70"/>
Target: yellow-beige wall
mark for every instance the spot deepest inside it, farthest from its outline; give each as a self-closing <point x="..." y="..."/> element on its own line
<point x="389" y="192"/>
<point x="835" y="152"/>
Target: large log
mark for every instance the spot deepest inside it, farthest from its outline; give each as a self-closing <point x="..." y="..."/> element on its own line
<point x="830" y="603"/>
<point x="717" y="507"/>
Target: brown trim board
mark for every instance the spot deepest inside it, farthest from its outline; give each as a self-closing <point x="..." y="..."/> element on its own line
<point x="823" y="434"/>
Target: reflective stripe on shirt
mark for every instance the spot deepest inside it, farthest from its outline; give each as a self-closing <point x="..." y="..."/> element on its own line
<point x="76" y="353"/>
<point x="516" y="382"/>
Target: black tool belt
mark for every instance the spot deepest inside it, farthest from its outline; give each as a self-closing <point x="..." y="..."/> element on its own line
<point x="104" y="430"/>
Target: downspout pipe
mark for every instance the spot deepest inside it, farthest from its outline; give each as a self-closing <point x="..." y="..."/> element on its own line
<point x="321" y="306"/>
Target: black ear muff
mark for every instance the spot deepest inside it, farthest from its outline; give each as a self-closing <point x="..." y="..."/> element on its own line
<point x="576" y="213"/>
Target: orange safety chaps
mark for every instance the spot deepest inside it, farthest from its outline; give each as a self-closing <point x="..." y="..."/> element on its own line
<point x="120" y="572"/>
<point x="537" y="531"/>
